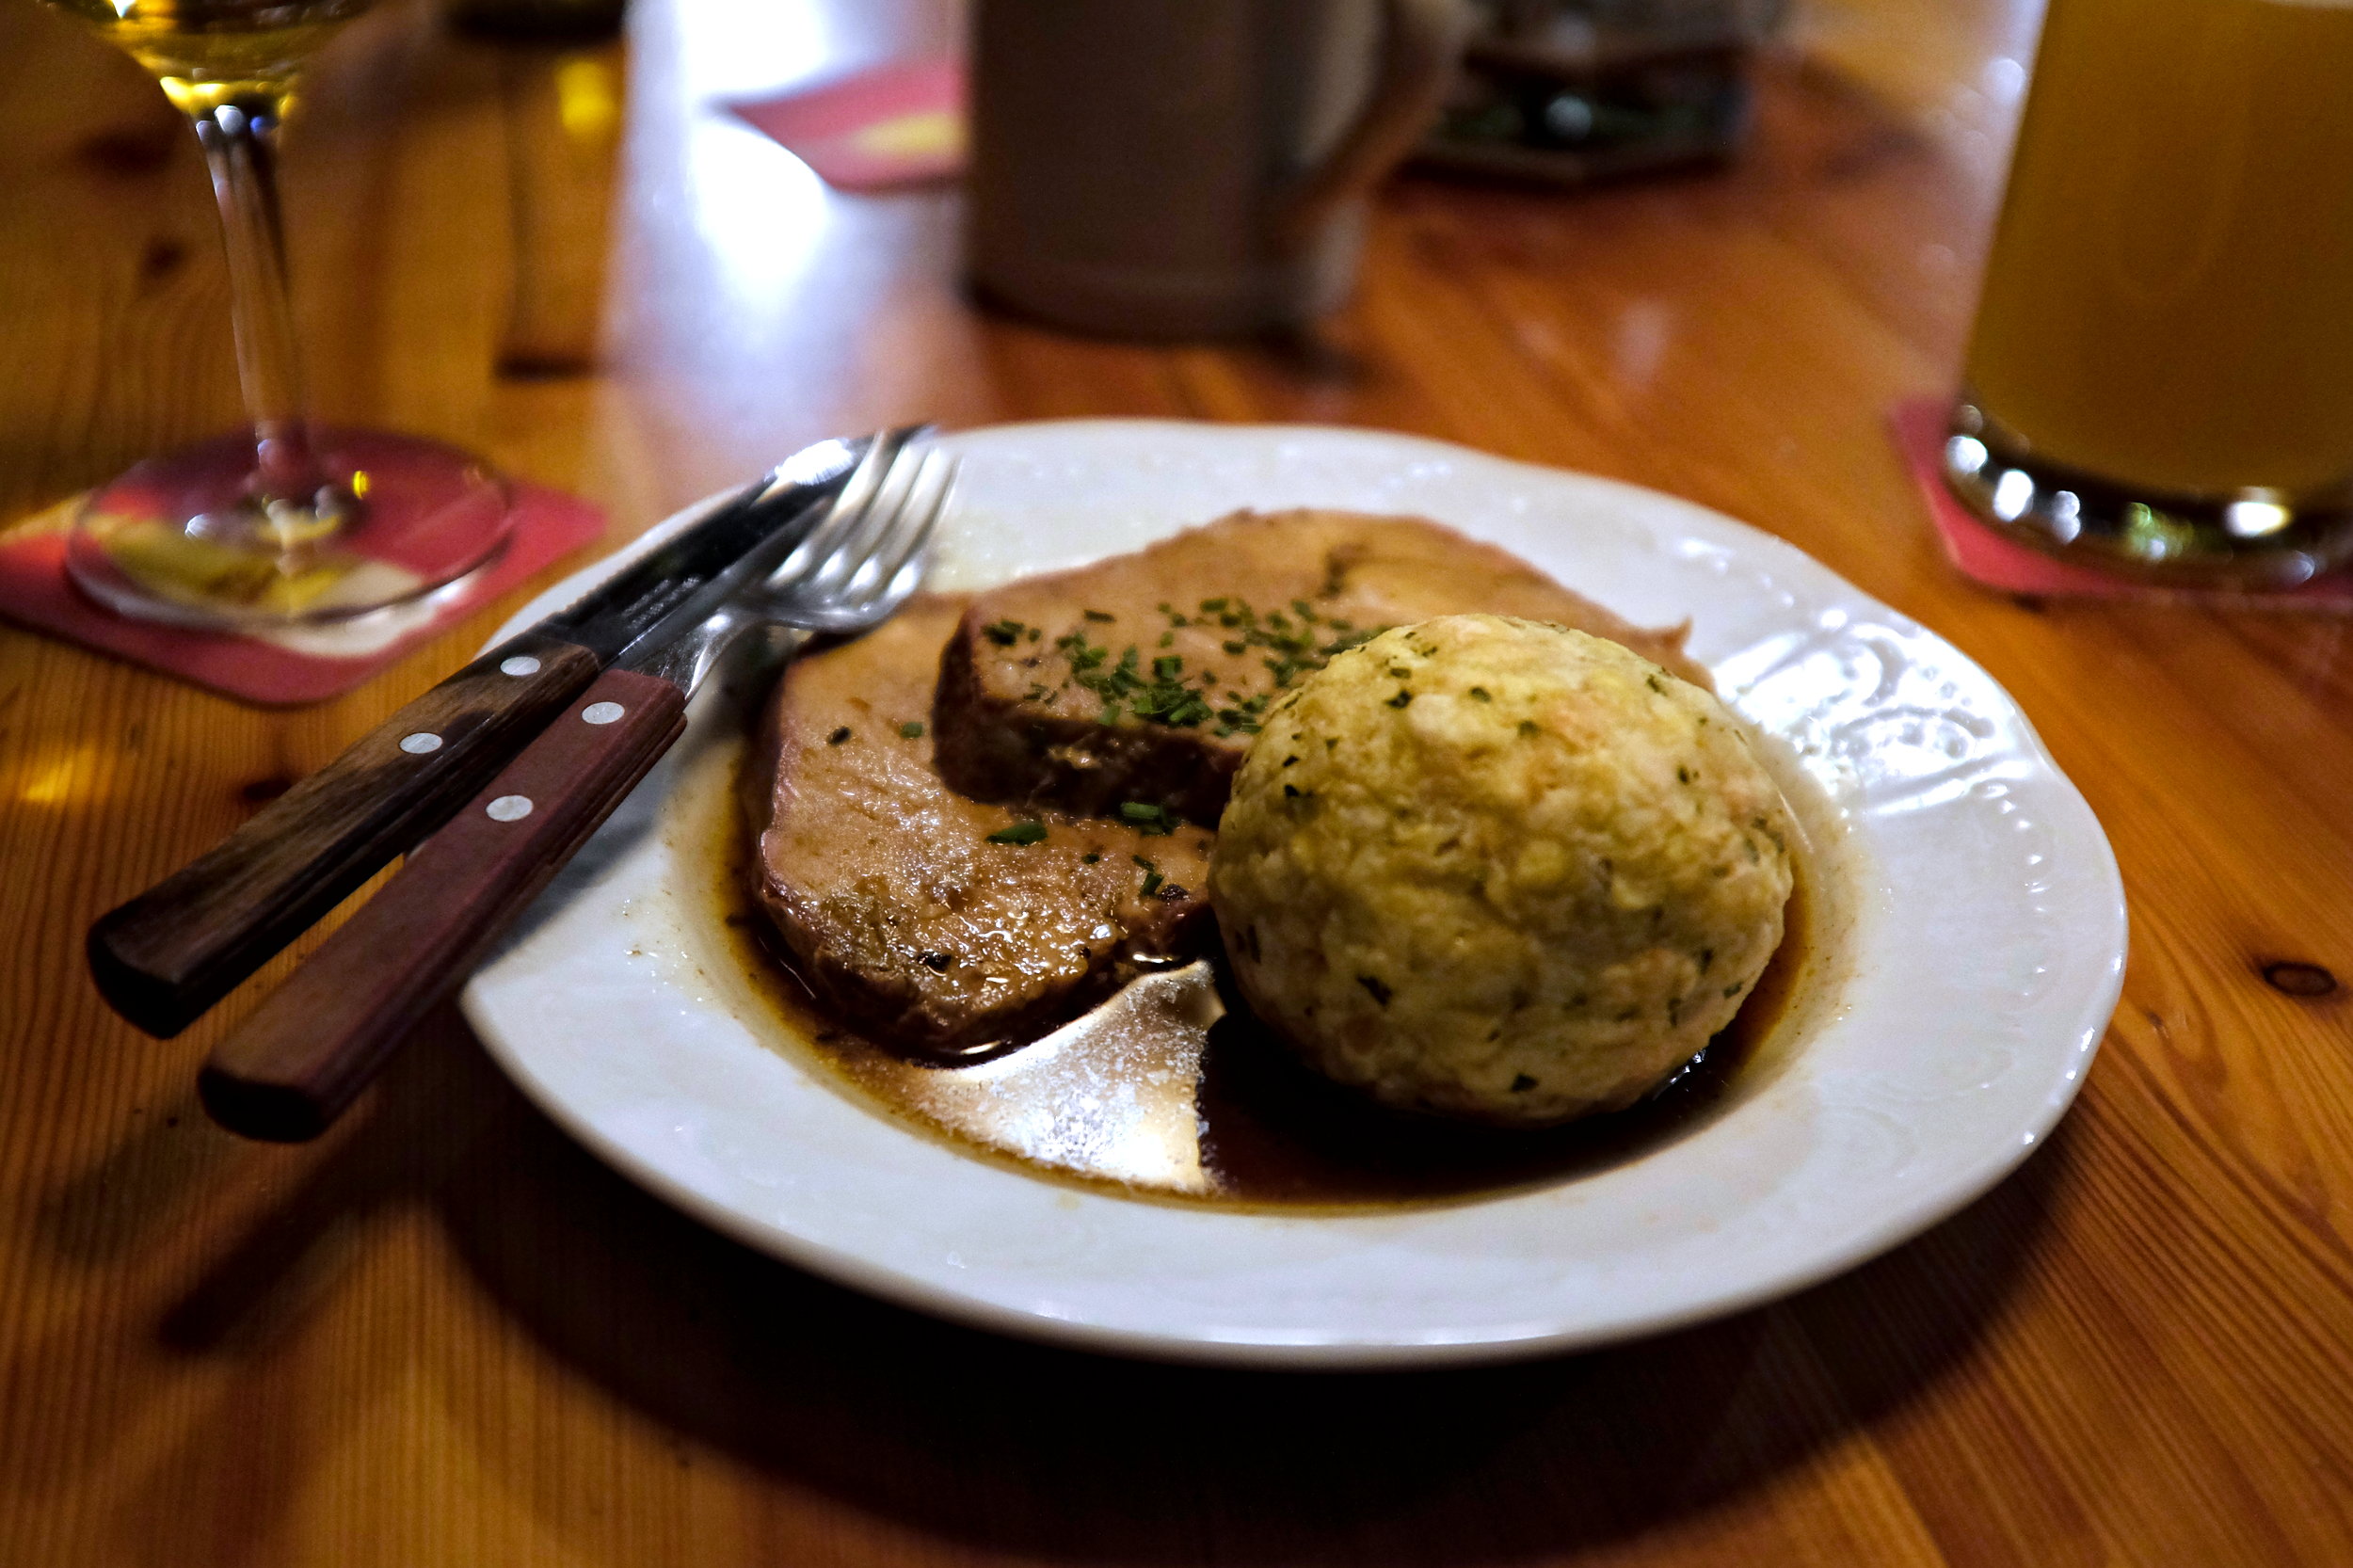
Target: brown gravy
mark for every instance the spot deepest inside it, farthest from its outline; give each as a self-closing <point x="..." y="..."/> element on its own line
<point x="1156" y="1095"/>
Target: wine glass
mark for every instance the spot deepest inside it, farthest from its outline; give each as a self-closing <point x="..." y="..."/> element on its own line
<point x="282" y="524"/>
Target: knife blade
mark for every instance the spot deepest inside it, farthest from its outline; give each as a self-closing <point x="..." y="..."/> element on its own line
<point x="165" y="957"/>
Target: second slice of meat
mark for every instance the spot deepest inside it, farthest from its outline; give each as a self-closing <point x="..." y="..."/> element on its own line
<point x="1136" y="683"/>
<point x="923" y="914"/>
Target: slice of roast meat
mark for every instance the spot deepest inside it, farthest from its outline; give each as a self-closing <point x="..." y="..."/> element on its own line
<point x="1139" y="681"/>
<point x="897" y="906"/>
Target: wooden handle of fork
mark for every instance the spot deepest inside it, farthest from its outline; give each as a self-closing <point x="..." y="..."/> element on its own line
<point x="293" y="1068"/>
<point x="165" y="957"/>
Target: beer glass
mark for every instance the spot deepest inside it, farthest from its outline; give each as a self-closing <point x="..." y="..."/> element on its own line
<point x="2161" y="377"/>
<point x="282" y="524"/>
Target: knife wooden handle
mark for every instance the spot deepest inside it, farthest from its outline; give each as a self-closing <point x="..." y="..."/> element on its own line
<point x="170" y="953"/>
<point x="306" y="1054"/>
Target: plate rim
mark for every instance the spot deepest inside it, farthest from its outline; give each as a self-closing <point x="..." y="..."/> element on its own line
<point x="1895" y="1225"/>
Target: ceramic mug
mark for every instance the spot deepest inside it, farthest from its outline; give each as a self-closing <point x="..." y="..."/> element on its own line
<point x="1190" y="167"/>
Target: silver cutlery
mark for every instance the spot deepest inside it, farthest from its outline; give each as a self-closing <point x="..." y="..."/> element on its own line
<point x="165" y="957"/>
<point x="292" y="1067"/>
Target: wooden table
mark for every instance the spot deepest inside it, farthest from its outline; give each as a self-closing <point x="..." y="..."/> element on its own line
<point x="448" y="1335"/>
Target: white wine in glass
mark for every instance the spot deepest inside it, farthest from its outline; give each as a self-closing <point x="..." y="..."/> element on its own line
<point x="283" y="524"/>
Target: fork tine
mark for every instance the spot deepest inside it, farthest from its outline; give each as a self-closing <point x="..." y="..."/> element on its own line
<point x="877" y="559"/>
<point x="851" y="506"/>
<point x="851" y="549"/>
<point x="910" y="533"/>
<point x="912" y="546"/>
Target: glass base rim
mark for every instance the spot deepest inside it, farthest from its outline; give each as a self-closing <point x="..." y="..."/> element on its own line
<point x="2254" y="538"/>
<point x="95" y="567"/>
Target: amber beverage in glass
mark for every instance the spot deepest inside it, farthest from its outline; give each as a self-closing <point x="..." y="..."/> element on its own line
<point x="282" y="524"/>
<point x="2161" y="377"/>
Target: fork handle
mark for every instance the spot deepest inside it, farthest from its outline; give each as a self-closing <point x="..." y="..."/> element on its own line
<point x="170" y="953"/>
<point x="292" y="1067"/>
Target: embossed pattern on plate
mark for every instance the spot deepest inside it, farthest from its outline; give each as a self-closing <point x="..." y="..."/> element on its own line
<point x="1978" y="925"/>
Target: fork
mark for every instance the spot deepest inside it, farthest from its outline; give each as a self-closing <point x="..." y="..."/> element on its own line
<point x="852" y="572"/>
<point x="292" y="1066"/>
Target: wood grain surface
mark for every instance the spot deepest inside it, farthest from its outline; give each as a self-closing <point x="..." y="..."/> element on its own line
<point x="444" y="1334"/>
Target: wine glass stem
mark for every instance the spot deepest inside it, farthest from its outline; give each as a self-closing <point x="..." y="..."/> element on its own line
<point x="238" y="137"/>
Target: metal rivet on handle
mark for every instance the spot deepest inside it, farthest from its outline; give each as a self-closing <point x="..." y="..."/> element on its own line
<point x="420" y="743"/>
<point x="522" y="664"/>
<point x="509" y="808"/>
<point x="602" y="713"/>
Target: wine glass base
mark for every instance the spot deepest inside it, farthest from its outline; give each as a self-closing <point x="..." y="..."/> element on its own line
<point x="183" y="539"/>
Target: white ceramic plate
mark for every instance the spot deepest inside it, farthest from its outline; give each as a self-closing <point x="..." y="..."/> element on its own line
<point x="1971" y="949"/>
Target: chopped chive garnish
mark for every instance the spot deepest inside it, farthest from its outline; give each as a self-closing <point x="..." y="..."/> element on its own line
<point x="1166" y="695"/>
<point x="1150" y="819"/>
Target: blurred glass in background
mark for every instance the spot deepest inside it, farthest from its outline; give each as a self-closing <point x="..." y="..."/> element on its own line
<point x="1174" y="168"/>
<point x="1570" y="90"/>
<point x="563" y="74"/>
<point x="563" y="114"/>
<point x="2161" y="379"/>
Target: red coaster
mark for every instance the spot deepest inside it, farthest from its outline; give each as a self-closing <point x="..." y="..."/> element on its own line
<point x="1980" y="554"/>
<point x="896" y="124"/>
<point x="277" y="669"/>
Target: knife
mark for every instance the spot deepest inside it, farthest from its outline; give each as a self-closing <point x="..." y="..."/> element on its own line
<point x="165" y="957"/>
